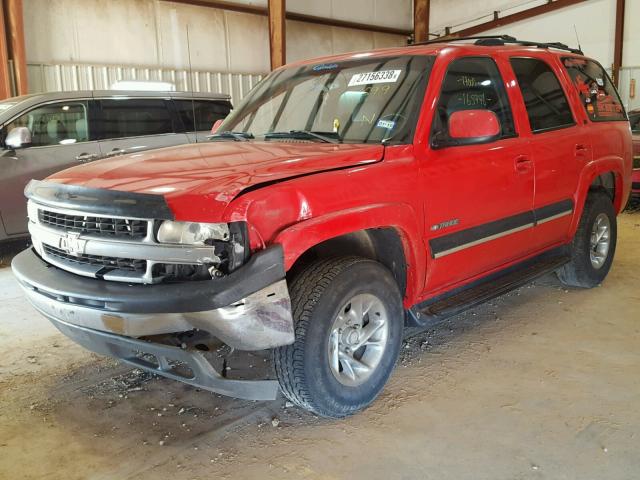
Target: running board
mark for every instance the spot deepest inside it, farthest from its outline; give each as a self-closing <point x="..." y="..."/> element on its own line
<point x="452" y="303"/>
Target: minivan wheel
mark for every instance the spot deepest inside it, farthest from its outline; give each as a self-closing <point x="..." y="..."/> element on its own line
<point x="348" y="325"/>
<point x="594" y="244"/>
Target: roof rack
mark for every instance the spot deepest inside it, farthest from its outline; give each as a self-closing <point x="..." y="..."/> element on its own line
<point x="497" y="40"/>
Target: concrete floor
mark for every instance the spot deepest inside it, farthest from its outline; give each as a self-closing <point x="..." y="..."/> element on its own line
<point x="543" y="383"/>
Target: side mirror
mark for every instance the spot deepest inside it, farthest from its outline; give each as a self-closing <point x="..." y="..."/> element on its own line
<point x="471" y="126"/>
<point x="18" y="137"/>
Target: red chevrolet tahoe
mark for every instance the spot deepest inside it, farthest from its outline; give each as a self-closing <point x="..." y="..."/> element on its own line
<point x="345" y="199"/>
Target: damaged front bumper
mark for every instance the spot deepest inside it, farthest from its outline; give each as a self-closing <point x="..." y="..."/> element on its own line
<point x="189" y="367"/>
<point x="249" y="309"/>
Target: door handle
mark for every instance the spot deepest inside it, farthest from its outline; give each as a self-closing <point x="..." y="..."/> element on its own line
<point x="86" y="157"/>
<point x="523" y="164"/>
<point x="581" y="152"/>
<point x="115" y="152"/>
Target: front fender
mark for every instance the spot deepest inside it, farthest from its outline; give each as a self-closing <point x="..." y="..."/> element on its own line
<point x="304" y="235"/>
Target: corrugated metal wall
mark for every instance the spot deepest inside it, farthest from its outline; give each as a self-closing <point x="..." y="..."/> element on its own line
<point x="75" y="42"/>
<point x="68" y="77"/>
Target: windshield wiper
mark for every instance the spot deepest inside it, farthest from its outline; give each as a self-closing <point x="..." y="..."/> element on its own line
<point x="324" y="136"/>
<point x="236" y="136"/>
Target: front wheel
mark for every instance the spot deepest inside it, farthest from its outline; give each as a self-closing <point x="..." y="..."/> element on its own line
<point x="349" y="320"/>
<point x="594" y="244"/>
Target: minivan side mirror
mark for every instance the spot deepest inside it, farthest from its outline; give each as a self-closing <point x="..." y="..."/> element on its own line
<point x="473" y="126"/>
<point x="18" y="137"/>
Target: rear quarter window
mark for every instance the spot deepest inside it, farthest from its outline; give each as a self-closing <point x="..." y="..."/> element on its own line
<point x="598" y="95"/>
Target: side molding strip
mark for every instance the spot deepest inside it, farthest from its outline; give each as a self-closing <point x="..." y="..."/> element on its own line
<point x="470" y="237"/>
<point x="553" y="211"/>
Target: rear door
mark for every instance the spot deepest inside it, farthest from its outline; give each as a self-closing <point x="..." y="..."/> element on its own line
<point x="61" y="137"/>
<point x="207" y="112"/>
<point x="560" y="145"/>
<point x="130" y="125"/>
<point x="478" y="195"/>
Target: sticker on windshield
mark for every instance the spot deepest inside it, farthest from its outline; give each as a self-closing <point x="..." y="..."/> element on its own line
<point x="382" y="76"/>
<point x="388" y="124"/>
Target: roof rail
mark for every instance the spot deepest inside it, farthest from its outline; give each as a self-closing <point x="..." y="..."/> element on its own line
<point x="497" y="40"/>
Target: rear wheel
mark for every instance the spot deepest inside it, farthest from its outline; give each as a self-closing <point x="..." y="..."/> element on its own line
<point x="594" y="244"/>
<point x="349" y="320"/>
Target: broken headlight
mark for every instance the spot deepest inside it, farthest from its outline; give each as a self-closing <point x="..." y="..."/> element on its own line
<point x="228" y="241"/>
<point x="192" y="233"/>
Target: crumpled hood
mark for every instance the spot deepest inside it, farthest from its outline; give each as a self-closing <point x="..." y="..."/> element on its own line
<point x="218" y="170"/>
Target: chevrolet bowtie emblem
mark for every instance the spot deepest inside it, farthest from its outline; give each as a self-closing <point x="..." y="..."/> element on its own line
<point x="72" y="244"/>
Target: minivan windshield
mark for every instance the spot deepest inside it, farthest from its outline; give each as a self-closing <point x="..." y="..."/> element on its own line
<point x="363" y="100"/>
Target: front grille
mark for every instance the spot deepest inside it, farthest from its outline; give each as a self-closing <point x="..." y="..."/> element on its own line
<point x="113" y="263"/>
<point x="105" y="226"/>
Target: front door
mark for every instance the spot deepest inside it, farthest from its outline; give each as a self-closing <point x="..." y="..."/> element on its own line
<point x="60" y="138"/>
<point x="479" y="195"/>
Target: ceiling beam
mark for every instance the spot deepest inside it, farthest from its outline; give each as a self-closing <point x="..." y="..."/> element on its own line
<point x="498" y="21"/>
<point x="297" y="17"/>
<point x="277" y="33"/>
<point x="332" y="22"/>
<point x="5" y="77"/>
<point x="421" y="10"/>
<point x="619" y="40"/>
<point x="15" y="39"/>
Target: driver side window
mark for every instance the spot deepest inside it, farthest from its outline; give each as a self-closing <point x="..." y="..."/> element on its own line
<point x="472" y="83"/>
<point x="55" y="124"/>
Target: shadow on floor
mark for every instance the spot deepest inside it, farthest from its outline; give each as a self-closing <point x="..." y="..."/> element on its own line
<point x="10" y="249"/>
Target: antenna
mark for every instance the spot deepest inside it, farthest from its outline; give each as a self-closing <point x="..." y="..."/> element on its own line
<point x="577" y="38"/>
<point x="193" y="102"/>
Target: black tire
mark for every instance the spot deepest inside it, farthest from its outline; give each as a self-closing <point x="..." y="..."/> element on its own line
<point x="317" y="294"/>
<point x="580" y="272"/>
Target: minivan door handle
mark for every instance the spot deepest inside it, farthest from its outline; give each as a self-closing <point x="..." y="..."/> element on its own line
<point x="86" y="157"/>
<point x="115" y="152"/>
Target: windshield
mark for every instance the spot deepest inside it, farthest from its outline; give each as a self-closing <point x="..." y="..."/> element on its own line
<point x="634" y="119"/>
<point x="365" y="100"/>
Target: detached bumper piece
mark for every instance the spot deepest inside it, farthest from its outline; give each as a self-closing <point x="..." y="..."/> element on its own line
<point x="171" y="362"/>
<point x="249" y="309"/>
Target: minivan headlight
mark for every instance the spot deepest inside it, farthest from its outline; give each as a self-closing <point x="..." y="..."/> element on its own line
<point x="191" y="233"/>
